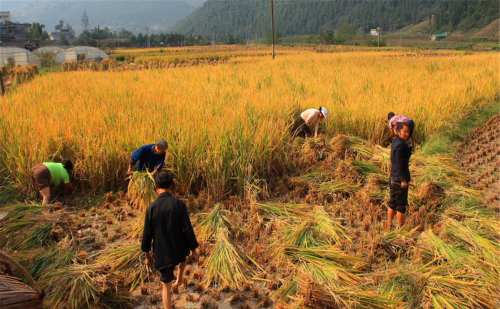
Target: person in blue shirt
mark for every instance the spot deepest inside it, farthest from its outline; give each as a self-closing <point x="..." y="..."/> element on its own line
<point x="151" y="157"/>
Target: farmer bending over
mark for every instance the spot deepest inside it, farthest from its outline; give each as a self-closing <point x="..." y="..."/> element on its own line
<point x="50" y="173"/>
<point x="308" y="118"/>
<point x="400" y="174"/>
<point x="151" y="157"/>
<point x="393" y="122"/>
<point x="167" y="224"/>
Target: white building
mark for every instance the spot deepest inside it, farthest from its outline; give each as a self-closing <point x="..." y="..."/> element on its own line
<point x="4" y="16"/>
<point x="374" y="32"/>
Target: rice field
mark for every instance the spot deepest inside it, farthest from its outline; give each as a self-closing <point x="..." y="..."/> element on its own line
<point x="229" y="123"/>
<point x="282" y="222"/>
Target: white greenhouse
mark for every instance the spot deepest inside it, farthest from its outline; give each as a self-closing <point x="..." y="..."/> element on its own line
<point x="18" y="56"/>
<point x="90" y="53"/>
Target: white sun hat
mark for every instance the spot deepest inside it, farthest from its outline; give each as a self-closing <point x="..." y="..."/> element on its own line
<point x="323" y="111"/>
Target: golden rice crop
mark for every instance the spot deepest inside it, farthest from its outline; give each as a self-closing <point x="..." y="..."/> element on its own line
<point x="228" y="123"/>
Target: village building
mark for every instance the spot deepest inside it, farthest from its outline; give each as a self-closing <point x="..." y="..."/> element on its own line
<point x="56" y="35"/>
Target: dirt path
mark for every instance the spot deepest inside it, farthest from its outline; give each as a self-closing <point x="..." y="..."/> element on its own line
<point x="479" y="156"/>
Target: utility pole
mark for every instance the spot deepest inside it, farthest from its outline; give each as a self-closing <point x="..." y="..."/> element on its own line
<point x="272" y="22"/>
<point x="379" y="30"/>
<point x="147" y="29"/>
<point x="99" y="36"/>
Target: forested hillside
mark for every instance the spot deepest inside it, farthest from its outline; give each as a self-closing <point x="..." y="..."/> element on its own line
<point x="131" y="15"/>
<point x="237" y="17"/>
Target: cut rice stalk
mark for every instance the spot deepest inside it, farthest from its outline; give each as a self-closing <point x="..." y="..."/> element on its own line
<point x="225" y="264"/>
<point x="141" y="190"/>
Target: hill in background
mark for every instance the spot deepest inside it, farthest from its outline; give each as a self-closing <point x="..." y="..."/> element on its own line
<point x="131" y="15"/>
<point x="293" y="17"/>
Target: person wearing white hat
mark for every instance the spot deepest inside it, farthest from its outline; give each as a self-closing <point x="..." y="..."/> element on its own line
<point x="308" y="118"/>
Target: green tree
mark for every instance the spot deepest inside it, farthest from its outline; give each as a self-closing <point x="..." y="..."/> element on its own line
<point x="36" y="32"/>
<point x="328" y="37"/>
<point x="60" y="25"/>
<point x="277" y="38"/>
<point x="63" y="41"/>
<point x="346" y="33"/>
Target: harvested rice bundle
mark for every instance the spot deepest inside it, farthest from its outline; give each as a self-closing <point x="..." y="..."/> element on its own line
<point x="141" y="190"/>
<point x="225" y="266"/>
<point x="126" y="261"/>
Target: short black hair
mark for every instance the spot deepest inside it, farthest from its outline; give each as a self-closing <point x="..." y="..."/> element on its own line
<point x="164" y="180"/>
<point x="401" y="125"/>
<point x="391" y="114"/>
<point x="68" y="165"/>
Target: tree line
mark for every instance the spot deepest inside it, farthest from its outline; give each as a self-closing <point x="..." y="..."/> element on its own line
<point x="293" y="17"/>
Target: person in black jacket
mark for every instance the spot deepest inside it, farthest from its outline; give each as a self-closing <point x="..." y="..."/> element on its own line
<point x="400" y="174"/>
<point x="167" y="224"/>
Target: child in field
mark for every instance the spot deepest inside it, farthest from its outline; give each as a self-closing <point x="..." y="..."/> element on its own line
<point x="167" y="224"/>
<point x="400" y="174"/>
<point x="393" y="122"/>
<point x="50" y="173"/>
<point x="308" y="118"/>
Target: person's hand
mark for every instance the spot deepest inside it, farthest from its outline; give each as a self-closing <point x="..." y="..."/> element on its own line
<point x="404" y="184"/>
<point x="148" y="260"/>
<point x="315" y="135"/>
<point x="195" y="255"/>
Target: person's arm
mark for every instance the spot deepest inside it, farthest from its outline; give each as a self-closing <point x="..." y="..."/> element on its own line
<point x="391" y="126"/>
<point x="316" y="128"/>
<point x="188" y="230"/>
<point x="147" y="236"/>
<point x="134" y="158"/>
<point x="159" y="163"/>
<point x="66" y="181"/>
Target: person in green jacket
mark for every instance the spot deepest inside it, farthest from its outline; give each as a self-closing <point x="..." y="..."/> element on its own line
<point x="50" y="173"/>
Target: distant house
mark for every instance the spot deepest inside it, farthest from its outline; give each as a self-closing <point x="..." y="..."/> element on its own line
<point x="12" y="32"/>
<point x="374" y="32"/>
<point x="437" y="37"/>
<point x="4" y="16"/>
<point x="56" y="35"/>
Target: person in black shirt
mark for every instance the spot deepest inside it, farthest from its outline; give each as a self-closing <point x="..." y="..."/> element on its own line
<point x="167" y="224"/>
<point x="400" y="175"/>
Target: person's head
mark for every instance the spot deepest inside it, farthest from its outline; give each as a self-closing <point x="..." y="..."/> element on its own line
<point x="323" y="112"/>
<point x="68" y="165"/>
<point x="164" y="181"/>
<point x="390" y="115"/>
<point x="403" y="130"/>
<point x="161" y="146"/>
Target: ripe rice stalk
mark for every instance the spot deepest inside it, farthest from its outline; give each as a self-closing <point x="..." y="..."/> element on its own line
<point x="126" y="261"/>
<point x="322" y="297"/>
<point x="433" y="247"/>
<point x="113" y="124"/>
<point x="18" y="211"/>
<point x="226" y="265"/>
<point x="455" y="288"/>
<point x="329" y="230"/>
<point x="285" y="210"/>
<point x="326" y="265"/>
<point x="212" y="223"/>
<point x="46" y="261"/>
<point x="141" y="190"/>
<point x="27" y="234"/>
<point x="486" y="249"/>
<point x="366" y="168"/>
<point x="339" y="187"/>
<point x="315" y="177"/>
<point x="72" y="287"/>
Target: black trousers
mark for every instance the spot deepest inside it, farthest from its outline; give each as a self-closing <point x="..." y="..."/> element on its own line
<point x="399" y="197"/>
<point x="301" y="129"/>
